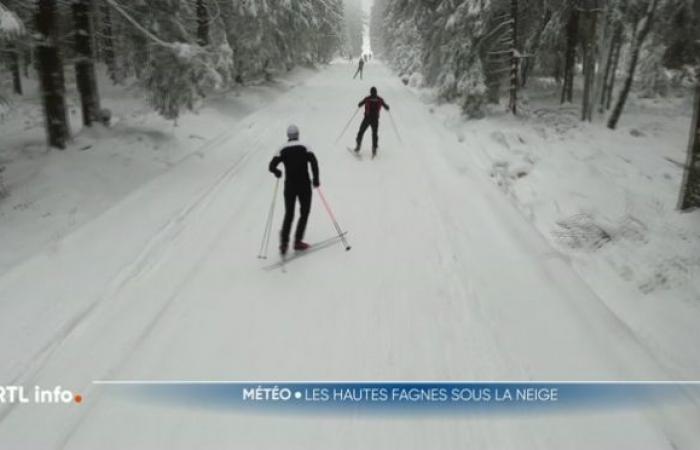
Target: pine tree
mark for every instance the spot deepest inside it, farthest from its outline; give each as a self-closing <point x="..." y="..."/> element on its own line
<point x="690" y="189"/>
<point x="50" y="65"/>
<point x="84" y="64"/>
<point x="353" y="27"/>
<point x="572" y="38"/>
<point x="641" y="30"/>
<point x="202" y="23"/>
<point x="589" y="18"/>
<point x="13" y="56"/>
<point x="108" y="44"/>
<point x="12" y="29"/>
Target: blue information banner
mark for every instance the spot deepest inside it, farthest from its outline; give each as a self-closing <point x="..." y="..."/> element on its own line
<point x="407" y="397"/>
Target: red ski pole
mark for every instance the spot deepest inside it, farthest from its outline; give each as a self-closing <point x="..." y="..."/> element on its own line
<point x="335" y="222"/>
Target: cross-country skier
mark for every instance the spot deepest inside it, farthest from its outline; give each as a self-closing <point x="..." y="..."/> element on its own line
<point x="296" y="158"/>
<point x="373" y="104"/>
<point x="360" y="68"/>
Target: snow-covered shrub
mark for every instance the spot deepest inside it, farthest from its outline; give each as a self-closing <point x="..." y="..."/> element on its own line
<point x="654" y="78"/>
<point x="179" y="76"/>
<point x="582" y="232"/>
<point x="415" y="80"/>
<point x="472" y="91"/>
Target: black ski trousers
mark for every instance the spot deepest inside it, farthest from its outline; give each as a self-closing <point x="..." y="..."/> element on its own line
<point x="369" y="122"/>
<point x="291" y="194"/>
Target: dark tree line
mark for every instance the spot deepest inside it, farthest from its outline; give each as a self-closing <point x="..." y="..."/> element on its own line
<point x="177" y="50"/>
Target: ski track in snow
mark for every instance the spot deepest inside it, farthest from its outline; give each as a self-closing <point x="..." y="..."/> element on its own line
<point x="446" y="281"/>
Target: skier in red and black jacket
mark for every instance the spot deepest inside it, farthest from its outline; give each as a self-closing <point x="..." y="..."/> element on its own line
<point x="373" y="105"/>
<point x="296" y="158"/>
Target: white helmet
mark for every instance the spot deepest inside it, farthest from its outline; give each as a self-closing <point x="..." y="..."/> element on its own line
<point x="293" y="132"/>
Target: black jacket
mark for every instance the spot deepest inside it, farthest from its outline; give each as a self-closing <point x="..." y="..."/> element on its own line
<point x="296" y="157"/>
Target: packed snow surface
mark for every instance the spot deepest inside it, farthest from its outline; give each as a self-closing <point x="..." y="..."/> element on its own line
<point x="447" y="280"/>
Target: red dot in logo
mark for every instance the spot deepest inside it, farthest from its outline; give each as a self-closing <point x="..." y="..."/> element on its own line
<point x="78" y="398"/>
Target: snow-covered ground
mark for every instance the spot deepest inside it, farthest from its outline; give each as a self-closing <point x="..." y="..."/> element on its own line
<point x="607" y="200"/>
<point x="51" y="193"/>
<point x="448" y="279"/>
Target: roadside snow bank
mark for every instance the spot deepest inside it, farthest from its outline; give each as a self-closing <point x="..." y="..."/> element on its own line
<point x="49" y="193"/>
<point x="607" y="200"/>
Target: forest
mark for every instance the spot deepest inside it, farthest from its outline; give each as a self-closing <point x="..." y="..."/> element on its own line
<point x="474" y="52"/>
<point x="178" y="50"/>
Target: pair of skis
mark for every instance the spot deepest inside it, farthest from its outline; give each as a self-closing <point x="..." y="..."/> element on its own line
<point x="301" y="253"/>
<point x="357" y="154"/>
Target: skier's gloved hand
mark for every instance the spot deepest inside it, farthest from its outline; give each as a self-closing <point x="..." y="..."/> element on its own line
<point x="317" y="183"/>
<point x="278" y="173"/>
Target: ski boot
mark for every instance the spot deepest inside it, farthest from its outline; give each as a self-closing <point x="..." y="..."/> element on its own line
<point x="301" y="246"/>
<point x="283" y="249"/>
<point x="374" y="153"/>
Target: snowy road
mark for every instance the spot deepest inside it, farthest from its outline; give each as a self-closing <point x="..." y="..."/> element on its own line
<point x="446" y="281"/>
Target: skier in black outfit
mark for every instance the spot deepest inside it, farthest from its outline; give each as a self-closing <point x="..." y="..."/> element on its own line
<point x="296" y="157"/>
<point x="360" y="68"/>
<point x="373" y="105"/>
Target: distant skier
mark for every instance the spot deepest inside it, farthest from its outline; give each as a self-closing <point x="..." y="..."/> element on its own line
<point x="373" y="105"/>
<point x="360" y="68"/>
<point x="296" y="158"/>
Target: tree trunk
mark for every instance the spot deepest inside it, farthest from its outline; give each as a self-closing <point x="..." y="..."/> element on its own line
<point x="515" y="58"/>
<point x="567" y="93"/>
<point x="534" y="45"/>
<point x="13" y="56"/>
<point x="610" y="68"/>
<point x="228" y="18"/>
<point x="589" y="19"/>
<point x="202" y="24"/>
<point x="690" y="189"/>
<point x="602" y="59"/>
<point x="613" y="71"/>
<point x="84" y="65"/>
<point x="637" y="42"/>
<point x="50" y="67"/>
<point x="108" y="43"/>
<point x="27" y="60"/>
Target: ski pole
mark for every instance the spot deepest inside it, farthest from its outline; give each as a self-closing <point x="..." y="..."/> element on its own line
<point x="335" y="222"/>
<point x="347" y="126"/>
<point x="265" y="244"/>
<point x="393" y="124"/>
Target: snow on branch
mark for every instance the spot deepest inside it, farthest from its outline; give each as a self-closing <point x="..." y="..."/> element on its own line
<point x="139" y="27"/>
<point x="10" y="25"/>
